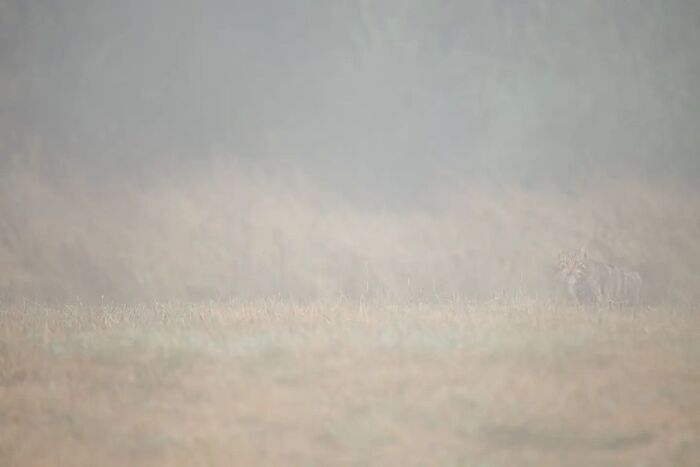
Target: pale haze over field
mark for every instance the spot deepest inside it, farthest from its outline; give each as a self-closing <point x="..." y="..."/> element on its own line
<point x="276" y="134"/>
<point x="363" y="232"/>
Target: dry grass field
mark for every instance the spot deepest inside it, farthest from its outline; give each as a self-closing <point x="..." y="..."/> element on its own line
<point x="370" y="233"/>
<point x="342" y="383"/>
<point x="232" y="317"/>
<point x="233" y="231"/>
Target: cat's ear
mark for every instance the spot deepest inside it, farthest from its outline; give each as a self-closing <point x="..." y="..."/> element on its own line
<point x="583" y="251"/>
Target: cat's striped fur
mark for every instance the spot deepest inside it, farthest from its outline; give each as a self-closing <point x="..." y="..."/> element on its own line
<point x="596" y="283"/>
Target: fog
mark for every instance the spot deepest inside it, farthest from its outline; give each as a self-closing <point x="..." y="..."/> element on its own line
<point x="388" y="94"/>
<point x="370" y="232"/>
<point x="341" y="109"/>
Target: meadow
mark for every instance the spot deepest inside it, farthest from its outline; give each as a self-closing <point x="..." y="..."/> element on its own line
<point x="273" y="233"/>
<point x="233" y="231"/>
<point x="339" y="383"/>
<point x="233" y="317"/>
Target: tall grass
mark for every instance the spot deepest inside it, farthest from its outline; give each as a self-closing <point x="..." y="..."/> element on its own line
<point x="232" y="231"/>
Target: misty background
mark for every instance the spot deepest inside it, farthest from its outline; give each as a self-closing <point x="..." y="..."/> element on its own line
<point x="403" y="148"/>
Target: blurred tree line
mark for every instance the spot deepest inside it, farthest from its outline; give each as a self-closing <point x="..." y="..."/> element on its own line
<point x="391" y="93"/>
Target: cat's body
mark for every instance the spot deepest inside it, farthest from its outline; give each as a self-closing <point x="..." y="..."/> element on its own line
<point x="591" y="282"/>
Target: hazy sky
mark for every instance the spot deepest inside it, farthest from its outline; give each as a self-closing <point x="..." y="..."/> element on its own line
<point x="393" y="94"/>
